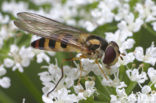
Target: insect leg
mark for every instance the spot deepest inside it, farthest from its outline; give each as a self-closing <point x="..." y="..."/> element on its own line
<point x="80" y="65"/>
<point x="80" y="73"/>
<point x="62" y="74"/>
<point x="96" y="61"/>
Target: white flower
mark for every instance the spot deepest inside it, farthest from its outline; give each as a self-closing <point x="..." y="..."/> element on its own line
<point x="6" y="31"/>
<point x="78" y="88"/>
<point x="23" y="100"/>
<point x="130" y="24"/>
<point x="14" y="7"/>
<point x="5" y="82"/>
<point x="132" y="98"/>
<point x="53" y="74"/>
<point x="50" y="78"/>
<point x="114" y="83"/>
<point x="121" y="39"/>
<point x="2" y="70"/>
<point x="40" y="2"/>
<point x="42" y="56"/>
<point x="4" y="19"/>
<point x="89" y="85"/>
<point x="120" y="98"/>
<point x="146" y="89"/>
<point x="128" y="58"/>
<point x="154" y="26"/>
<point x="152" y="74"/>
<point x="61" y="96"/>
<point x="143" y="98"/>
<point x="134" y="75"/>
<point x="21" y="58"/>
<point x="89" y="26"/>
<point x="147" y="10"/>
<point x="122" y="85"/>
<point x="103" y="14"/>
<point x="150" y="55"/>
<point x="8" y="62"/>
<point x="114" y="99"/>
<point x="87" y="92"/>
<point x="123" y="11"/>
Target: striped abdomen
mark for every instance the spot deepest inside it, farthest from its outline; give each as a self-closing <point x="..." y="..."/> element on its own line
<point x="53" y="45"/>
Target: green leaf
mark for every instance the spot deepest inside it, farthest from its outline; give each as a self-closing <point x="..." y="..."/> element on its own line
<point x="88" y="100"/>
<point x="109" y="27"/>
<point x="144" y="38"/>
<point x="23" y="39"/>
<point x="4" y="98"/>
<point x="130" y="87"/>
<point x="104" y="91"/>
<point x="90" y="6"/>
<point x="30" y="86"/>
<point x="123" y="77"/>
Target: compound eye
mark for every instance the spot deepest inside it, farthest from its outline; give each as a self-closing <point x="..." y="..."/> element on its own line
<point x="110" y="55"/>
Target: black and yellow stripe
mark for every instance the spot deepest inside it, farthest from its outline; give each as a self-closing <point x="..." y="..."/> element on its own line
<point x="53" y="45"/>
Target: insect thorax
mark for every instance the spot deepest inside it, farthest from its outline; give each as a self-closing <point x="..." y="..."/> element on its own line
<point x="96" y="45"/>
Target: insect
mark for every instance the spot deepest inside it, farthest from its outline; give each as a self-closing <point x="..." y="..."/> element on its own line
<point x="62" y="38"/>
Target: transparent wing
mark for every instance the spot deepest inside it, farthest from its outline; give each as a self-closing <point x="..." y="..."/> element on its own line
<point x="45" y="27"/>
<point x="40" y="25"/>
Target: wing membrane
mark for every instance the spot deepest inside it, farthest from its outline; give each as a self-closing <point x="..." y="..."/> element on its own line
<point x="45" y="27"/>
<point x="40" y="25"/>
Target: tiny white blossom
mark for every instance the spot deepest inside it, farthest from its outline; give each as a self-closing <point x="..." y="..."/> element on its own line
<point x="23" y="100"/>
<point x="21" y="57"/>
<point x="14" y="7"/>
<point x="121" y="92"/>
<point x="128" y="58"/>
<point x="146" y="10"/>
<point x="120" y="98"/>
<point x="150" y="55"/>
<point x="146" y="89"/>
<point x="2" y="70"/>
<point x="123" y="11"/>
<point x="143" y="98"/>
<point x="132" y="98"/>
<point x="4" y="19"/>
<point x="130" y="24"/>
<point x="61" y="96"/>
<point x="103" y="13"/>
<point x="78" y="88"/>
<point x="154" y="26"/>
<point x="42" y="56"/>
<point x="134" y="75"/>
<point x="5" y="82"/>
<point x="89" y="26"/>
<point x="152" y="74"/>
<point x="89" y="85"/>
<point x="8" y="62"/>
<point x="121" y="39"/>
<point x="113" y="83"/>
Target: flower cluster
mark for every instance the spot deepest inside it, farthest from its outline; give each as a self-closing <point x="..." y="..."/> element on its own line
<point x="121" y="21"/>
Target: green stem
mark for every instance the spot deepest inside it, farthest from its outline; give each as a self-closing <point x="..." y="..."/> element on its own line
<point x="150" y="29"/>
<point x="5" y="99"/>
<point x="30" y="86"/>
<point x="100" y="102"/>
<point x="130" y="87"/>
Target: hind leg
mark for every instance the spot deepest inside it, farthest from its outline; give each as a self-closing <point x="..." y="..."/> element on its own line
<point x="97" y="62"/>
<point x="80" y="65"/>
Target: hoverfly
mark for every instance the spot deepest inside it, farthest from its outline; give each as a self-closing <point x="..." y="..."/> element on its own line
<point x="59" y="37"/>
